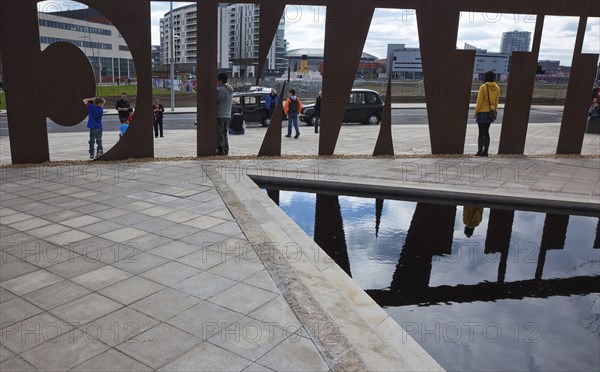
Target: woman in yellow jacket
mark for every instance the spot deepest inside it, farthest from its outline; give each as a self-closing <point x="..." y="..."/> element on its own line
<point x="487" y="100"/>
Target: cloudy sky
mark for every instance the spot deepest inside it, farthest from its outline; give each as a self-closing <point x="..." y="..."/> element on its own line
<point x="305" y="28"/>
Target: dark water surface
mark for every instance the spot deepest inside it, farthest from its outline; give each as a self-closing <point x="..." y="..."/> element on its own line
<point x="522" y="293"/>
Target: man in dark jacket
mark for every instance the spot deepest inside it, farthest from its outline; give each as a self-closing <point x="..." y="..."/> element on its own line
<point x="291" y="108"/>
<point x="271" y="102"/>
<point x="224" y="99"/>
<point x="158" y="110"/>
<point x="123" y="108"/>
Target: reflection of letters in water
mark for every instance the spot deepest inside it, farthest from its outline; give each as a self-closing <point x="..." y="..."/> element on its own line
<point x="431" y="234"/>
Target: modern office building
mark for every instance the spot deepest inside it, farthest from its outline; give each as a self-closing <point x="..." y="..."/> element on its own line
<point x="405" y="63"/>
<point x="237" y="40"/>
<point x="244" y="25"/>
<point x="513" y="41"/>
<point x="101" y="42"/>
<point x="185" y="38"/>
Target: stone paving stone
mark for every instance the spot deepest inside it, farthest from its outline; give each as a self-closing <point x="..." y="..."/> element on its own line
<point x="158" y="210"/>
<point x="75" y="267"/>
<point x="81" y="221"/>
<point x="140" y="262"/>
<point x="257" y="368"/>
<point x="223" y="214"/>
<point x="153" y="224"/>
<point x="159" y="345"/>
<point x="278" y="313"/>
<point x="204" y="222"/>
<point x="149" y="241"/>
<point x="243" y="298"/>
<point x="33" y="331"/>
<point x="14" y="218"/>
<point x="64" y="352"/>
<point x="131" y="290"/>
<point x="170" y="273"/>
<point x="262" y="280"/>
<point x="299" y="354"/>
<point x="44" y="254"/>
<point x="180" y="216"/>
<point x="6" y="295"/>
<point x="165" y="304"/>
<point x="205" y="319"/>
<point x="207" y="357"/>
<point x="174" y="250"/>
<point x="138" y="206"/>
<point x="110" y="213"/>
<point x="15" y="310"/>
<point x="56" y="294"/>
<point x="119" y="326"/>
<point x="229" y="228"/>
<point x="111" y="361"/>
<point x="62" y="215"/>
<point x="16" y="364"/>
<point x="29" y="224"/>
<point x="67" y="237"/>
<point x="9" y="242"/>
<point x="30" y="282"/>
<point x="197" y="285"/>
<point x="248" y="338"/>
<point x="85" y="309"/>
<point x="123" y="234"/>
<point x="237" y="269"/>
<point x="100" y="228"/>
<point x="130" y="219"/>
<point x="14" y="268"/>
<point x="102" y="277"/>
<point x="48" y="230"/>
<point x="177" y="231"/>
<point x="204" y="238"/>
<point x="5" y="353"/>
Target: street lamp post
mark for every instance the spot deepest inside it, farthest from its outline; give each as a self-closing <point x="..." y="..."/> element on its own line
<point x="172" y="47"/>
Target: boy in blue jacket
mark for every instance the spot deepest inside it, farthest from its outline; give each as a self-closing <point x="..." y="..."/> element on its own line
<point x="95" y="108"/>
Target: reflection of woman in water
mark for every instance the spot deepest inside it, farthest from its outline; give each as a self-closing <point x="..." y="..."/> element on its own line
<point x="472" y="217"/>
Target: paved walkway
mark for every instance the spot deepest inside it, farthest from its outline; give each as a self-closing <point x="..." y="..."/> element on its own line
<point x="188" y="265"/>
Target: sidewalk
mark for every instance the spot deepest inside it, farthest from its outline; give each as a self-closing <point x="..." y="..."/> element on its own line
<point x="395" y="106"/>
<point x="181" y="265"/>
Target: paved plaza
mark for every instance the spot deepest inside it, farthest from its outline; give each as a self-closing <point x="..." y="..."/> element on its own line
<point x="186" y="264"/>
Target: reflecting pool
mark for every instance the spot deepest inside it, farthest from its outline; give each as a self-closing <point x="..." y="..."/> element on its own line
<point x="479" y="288"/>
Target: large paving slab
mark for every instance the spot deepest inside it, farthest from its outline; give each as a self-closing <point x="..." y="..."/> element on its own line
<point x="113" y="256"/>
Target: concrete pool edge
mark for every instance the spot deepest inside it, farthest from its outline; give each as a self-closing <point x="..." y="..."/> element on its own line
<point x="381" y="188"/>
<point x="356" y="319"/>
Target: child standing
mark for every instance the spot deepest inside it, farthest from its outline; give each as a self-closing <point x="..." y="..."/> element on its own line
<point x="95" y="108"/>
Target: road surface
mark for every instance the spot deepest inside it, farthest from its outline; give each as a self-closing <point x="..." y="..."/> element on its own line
<point x="186" y="121"/>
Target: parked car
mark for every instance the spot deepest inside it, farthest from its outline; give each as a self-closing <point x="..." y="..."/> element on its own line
<point x="253" y="105"/>
<point x="364" y="106"/>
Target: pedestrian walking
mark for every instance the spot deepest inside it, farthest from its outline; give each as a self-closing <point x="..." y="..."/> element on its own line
<point x="292" y="107"/>
<point x="123" y="108"/>
<point x="158" y="111"/>
<point x="485" y="111"/>
<point x="95" y="107"/>
<point x="318" y="113"/>
<point x="224" y="100"/>
<point x="271" y="102"/>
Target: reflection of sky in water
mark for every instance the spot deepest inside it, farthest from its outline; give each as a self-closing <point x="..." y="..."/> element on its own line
<point x="556" y="323"/>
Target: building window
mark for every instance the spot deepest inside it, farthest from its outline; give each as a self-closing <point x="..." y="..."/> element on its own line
<point x="73" y="27"/>
<point x="124" y="48"/>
